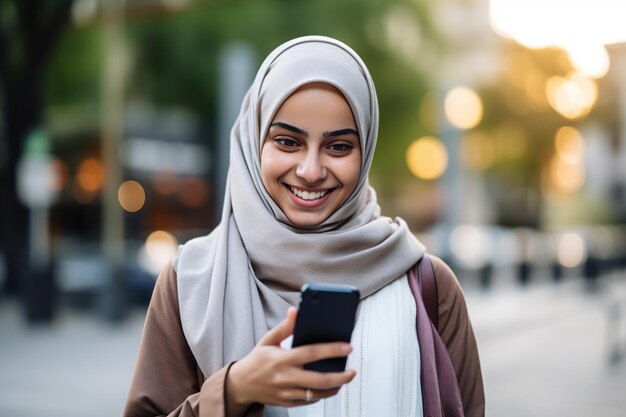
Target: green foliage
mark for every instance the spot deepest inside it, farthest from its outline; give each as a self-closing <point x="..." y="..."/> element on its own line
<point x="73" y="76"/>
<point x="176" y="57"/>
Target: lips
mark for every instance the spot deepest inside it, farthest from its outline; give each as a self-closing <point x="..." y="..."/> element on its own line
<point x="308" y="195"/>
<point x="309" y="198"/>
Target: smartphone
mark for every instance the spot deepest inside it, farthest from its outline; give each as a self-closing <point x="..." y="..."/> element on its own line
<point x="326" y="314"/>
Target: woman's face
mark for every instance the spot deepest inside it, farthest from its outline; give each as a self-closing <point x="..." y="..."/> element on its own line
<point x="311" y="156"/>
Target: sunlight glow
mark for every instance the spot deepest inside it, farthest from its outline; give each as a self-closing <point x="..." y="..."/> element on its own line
<point x="590" y="59"/>
<point x="582" y="28"/>
<point x="544" y="23"/>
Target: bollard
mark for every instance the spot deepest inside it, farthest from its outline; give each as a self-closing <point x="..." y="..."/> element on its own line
<point x="616" y="350"/>
<point x="557" y="272"/>
<point x="523" y="272"/>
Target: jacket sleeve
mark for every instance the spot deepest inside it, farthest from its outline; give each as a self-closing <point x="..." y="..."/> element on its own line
<point x="457" y="334"/>
<point x="167" y="380"/>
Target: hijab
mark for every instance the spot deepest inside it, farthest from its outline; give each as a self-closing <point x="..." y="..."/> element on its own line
<point x="237" y="282"/>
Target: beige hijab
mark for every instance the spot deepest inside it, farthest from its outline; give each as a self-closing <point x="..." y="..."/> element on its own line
<point x="237" y="282"/>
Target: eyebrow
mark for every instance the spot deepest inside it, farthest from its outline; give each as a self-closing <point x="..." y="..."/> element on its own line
<point x="302" y="132"/>
<point x="292" y="128"/>
<point x="341" y="132"/>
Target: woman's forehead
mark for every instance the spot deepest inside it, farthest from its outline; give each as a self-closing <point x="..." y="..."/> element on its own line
<point x="318" y="85"/>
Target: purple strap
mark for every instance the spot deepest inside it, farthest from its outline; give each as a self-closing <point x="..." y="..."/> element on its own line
<point x="440" y="389"/>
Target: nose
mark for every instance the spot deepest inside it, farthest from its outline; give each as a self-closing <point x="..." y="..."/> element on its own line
<point x="311" y="168"/>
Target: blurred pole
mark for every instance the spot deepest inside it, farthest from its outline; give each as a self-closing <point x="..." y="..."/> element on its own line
<point x="113" y="82"/>
<point x="451" y="180"/>
<point x="236" y="70"/>
<point x="619" y="182"/>
<point x="36" y="186"/>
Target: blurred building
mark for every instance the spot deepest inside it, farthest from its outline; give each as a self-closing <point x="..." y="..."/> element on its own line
<point x="166" y="170"/>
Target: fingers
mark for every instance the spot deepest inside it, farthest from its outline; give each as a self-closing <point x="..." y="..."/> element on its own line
<point x="317" y="351"/>
<point x="283" y="330"/>
<point x="322" y="381"/>
<point x="298" y="396"/>
<point x="271" y="375"/>
<point x="317" y="394"/>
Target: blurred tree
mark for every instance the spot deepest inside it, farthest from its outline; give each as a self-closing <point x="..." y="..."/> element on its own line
<point x="45" y="61"/>
<point x="29" y="31"/>
<point x="520" y="126"/>
<point x="176" y="58"/>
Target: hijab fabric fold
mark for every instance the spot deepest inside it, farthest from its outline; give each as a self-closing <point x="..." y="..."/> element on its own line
<point x="237" y="282"/>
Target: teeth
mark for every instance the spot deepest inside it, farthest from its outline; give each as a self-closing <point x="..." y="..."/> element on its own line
<point x="306" y="195"/>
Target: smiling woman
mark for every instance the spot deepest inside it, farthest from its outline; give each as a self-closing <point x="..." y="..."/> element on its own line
<point x="299" y="209"/>
<point x="311" y="156"/>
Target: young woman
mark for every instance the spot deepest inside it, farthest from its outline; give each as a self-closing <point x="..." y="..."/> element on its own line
<point x="299" y="208"/>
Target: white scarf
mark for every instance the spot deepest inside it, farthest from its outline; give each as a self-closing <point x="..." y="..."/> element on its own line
<point x="237" y="282"/>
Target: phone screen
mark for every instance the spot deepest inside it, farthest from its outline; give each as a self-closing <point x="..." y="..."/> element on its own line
<point x="327" y="313"/>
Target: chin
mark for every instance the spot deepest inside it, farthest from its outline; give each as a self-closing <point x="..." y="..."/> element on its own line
<point x="306" y="221"/>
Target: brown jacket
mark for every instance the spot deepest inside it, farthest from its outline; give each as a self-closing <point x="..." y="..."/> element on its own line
<point x="168" y="381"/>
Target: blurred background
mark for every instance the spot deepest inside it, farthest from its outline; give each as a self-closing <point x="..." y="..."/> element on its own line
<point x="502" y="143"/>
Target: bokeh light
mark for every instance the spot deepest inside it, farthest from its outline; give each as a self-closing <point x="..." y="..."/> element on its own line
<point x="131" y="196"/>
<point x="471" y="245"/>
<point x="566" y="176"/>
<point x="463" y="108"/>
<point x="157" y="251"/>
<point x="569" y="144"/>
<point x="571" y="250"/>
<point x="572" y="97"/>
<point x="165" y="182"/>
<point x="194" y="192"/>
<point x="427" y="158"/>
<point x="90" y="175"/>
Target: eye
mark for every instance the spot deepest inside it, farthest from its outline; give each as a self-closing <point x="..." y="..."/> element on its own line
<point x="340" y="147"/>
<point x="286" y="143"/>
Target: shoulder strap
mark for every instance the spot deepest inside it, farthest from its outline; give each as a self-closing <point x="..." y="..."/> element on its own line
<point x="428" y="288"/>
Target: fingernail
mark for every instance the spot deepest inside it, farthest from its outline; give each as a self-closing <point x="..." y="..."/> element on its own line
<point x="346" y="348"/>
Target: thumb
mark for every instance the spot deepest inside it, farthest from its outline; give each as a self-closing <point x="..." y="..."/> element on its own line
<point x="283" y="330"/>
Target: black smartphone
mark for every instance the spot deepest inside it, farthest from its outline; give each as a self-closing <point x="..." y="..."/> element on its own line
<point x="326" y="314"/>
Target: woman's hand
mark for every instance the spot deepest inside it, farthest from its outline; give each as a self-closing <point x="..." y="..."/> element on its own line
<point x="272" y="375"/>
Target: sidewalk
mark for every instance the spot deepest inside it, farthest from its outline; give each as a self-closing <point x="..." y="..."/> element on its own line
<point x="81" y="366"/>
<point x="543" y="349"/>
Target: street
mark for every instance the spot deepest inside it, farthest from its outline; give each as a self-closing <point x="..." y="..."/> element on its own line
<point x="545" y="351"/>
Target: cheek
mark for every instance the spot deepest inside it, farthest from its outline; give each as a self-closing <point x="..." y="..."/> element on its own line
<point x="272" y="165"/>
<point x="348" y="171"/>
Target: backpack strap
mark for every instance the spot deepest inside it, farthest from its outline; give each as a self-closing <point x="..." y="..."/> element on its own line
<point x="440" y="388"/>
<point x="428" y="288"/>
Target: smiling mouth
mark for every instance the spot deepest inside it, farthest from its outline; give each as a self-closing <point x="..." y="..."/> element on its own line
<point x="308" y="195"/>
